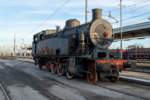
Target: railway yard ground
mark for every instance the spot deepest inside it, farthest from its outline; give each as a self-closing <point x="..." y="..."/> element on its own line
<point x="20" y="79"/>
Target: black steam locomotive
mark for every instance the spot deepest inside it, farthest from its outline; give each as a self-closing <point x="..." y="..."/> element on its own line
<point x="77" y="50"/>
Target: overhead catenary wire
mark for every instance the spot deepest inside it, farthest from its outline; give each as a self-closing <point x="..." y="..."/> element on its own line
<point x="51" y="15"/>
<point x="134" y="10"/>
<point x="67" y="1"/>
<point x="145" y="2"/>
<point x="135" y="6"/>
<point x="138" y="7"/>
<point x="135" y="16"/>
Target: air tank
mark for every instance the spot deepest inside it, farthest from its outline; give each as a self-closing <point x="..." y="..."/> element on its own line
<point x="72" y="23"/>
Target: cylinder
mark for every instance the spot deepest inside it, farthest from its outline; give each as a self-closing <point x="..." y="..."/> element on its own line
<point x="97" y="14"/>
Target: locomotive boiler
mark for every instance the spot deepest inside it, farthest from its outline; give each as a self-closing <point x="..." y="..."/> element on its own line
<point x="77" y="50"/>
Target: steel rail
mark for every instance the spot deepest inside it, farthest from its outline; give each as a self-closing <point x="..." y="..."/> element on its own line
<point x="135" y="80"/>
<point x="122" y="92"/>
<point x="4" y="91"/>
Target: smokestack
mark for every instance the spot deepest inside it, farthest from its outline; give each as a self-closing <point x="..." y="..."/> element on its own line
<point x="96" y="14"/>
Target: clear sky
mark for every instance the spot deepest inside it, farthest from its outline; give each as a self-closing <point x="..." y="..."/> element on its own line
<point x="23" y="17"/>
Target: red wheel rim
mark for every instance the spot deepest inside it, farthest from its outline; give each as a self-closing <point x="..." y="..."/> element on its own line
<point x="92" y="74"/>
<point x="91" y="77"/>
<point x="53" y="68"/>
<point x="49" y="67"/>
<point x="60" y="69"/>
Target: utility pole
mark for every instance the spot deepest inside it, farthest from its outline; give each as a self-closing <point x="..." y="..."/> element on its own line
<point x="86" y="11"/>
<point x="121" y="45"/>
<point x="14" y="44"/>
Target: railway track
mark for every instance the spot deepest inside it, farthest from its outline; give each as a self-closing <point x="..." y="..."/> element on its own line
<point x="4" y="91"/>
<point x="123" y="92"/>
<point x="140" y="70"/>
<point x="135" y="80"/>
<point x="122" y="78"/>
<point x="105" y="85"/>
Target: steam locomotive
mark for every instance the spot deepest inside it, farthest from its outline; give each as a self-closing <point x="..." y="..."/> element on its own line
<point x="78" y="50"/>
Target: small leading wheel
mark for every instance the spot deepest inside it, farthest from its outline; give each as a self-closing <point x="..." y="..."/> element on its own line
<point x="60" y="69"/>
<point x="53" y="68"/>
<point x="48" y="66"/>
<point x="115" y="75"/>
<point x="113" y="79"/>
